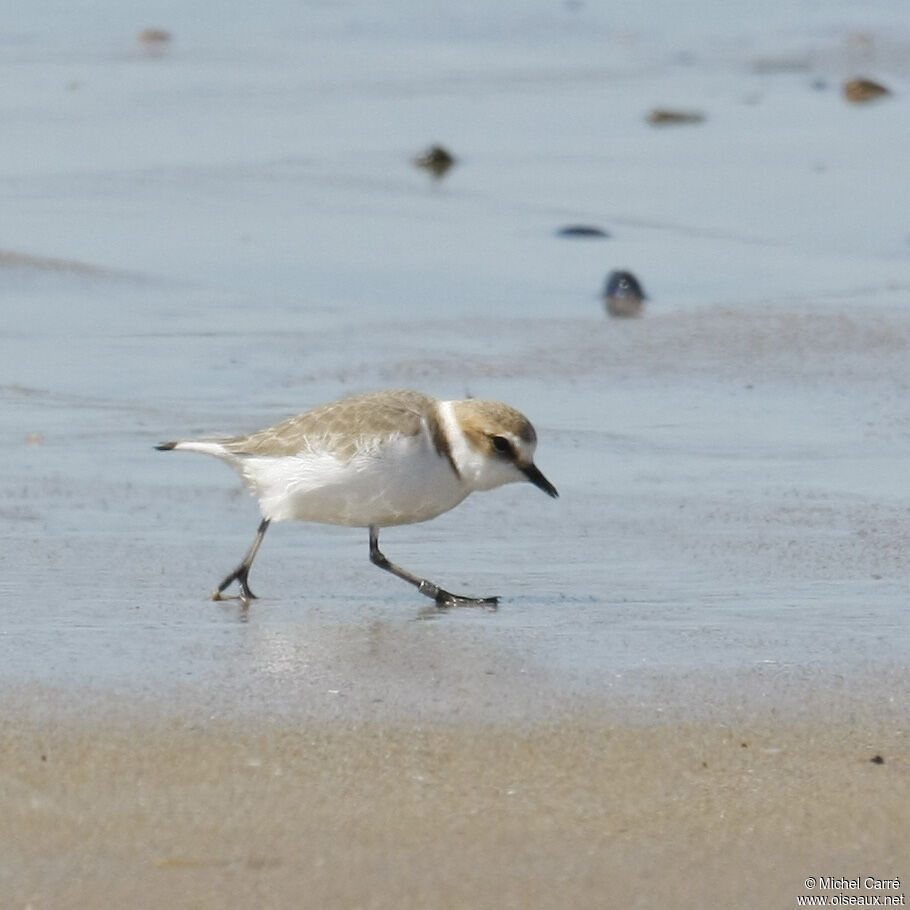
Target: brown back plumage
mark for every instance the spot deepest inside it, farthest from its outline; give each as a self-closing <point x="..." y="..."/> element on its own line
<point x="347" y="425"/>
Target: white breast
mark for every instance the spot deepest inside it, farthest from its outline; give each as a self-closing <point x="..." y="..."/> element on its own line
<point x="400" y="481"/>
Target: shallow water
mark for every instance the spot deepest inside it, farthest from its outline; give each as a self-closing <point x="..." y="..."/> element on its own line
<point x="233" y="232"/>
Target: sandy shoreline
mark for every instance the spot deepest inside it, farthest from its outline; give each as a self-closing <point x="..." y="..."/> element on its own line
<point x="701" y="647"/>
<point x="138" y="811"/>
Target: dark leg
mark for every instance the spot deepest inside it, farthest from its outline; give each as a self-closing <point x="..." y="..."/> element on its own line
<point x="442" y="598"/>
<point x="241" y="573"/>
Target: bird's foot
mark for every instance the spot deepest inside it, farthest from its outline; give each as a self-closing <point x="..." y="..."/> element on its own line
<point x="445" y="599"/>
<point x="245" y="596"/>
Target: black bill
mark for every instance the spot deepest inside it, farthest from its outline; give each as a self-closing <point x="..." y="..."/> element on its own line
<point x="532" y="472"/>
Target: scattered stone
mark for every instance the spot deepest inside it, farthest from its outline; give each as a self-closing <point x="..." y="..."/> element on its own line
<point x="861" y="44"/>
<point x="662" y="116"/>
<point x="582" y="230"/>
<point x="862" y="91"/>
<point x="154" y="41"/>
<point x="437" y="160"/>
<point x="623" y="294"/>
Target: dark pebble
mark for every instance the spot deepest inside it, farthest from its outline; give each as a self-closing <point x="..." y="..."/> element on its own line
<point x="581" y="230"/>
<point x="662" y="116"/>
<point x="437" y="160"/>
<point x="861" y="91"/>
<point x="623" y="294"/>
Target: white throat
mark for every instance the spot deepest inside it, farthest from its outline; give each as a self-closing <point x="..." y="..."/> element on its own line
<point x="478" y="470"/>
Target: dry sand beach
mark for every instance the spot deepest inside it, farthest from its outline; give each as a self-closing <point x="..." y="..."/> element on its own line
<point x="695" y="691"/>
<point x="579" y="812"/>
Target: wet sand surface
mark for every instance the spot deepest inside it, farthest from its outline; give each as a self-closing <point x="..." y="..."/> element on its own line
<point x="701" y="646"/>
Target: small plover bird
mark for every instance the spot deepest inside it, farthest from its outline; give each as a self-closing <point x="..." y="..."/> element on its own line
<point x="370" y="461"/>
<point x="623" y="294"/>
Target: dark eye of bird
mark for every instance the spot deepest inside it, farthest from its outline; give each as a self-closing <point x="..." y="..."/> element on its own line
<point x="502" y="445"/>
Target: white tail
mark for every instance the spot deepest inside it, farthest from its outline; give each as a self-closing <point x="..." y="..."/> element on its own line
<point x="205" y="446"/>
